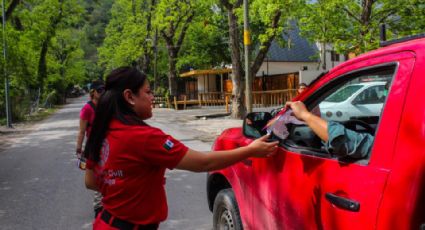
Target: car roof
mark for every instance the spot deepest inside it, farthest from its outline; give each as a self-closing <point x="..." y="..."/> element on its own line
<point x="416" y="45"/>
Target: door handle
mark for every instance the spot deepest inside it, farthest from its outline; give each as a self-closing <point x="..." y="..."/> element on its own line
<point x="342" y="202"/>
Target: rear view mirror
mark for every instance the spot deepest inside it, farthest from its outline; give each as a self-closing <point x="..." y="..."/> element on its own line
<point x="254" y="123"/>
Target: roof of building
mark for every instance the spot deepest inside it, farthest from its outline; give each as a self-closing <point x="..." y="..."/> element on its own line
<point x="197" y="73"/>
<point x="299" y="49"/>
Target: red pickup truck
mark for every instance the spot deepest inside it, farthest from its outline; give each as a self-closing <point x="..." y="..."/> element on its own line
<point x="305" y="187"/>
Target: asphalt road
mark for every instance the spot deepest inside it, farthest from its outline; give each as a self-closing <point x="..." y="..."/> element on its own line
<point x="41" y="187"/>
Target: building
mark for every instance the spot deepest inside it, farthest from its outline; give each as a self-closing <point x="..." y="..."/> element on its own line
<point x="279" y="75"/>
<point x="299" y="62"/>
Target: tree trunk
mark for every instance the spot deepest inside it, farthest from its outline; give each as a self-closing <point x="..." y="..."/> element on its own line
<point x="365" y="19"/>
<point x="155" y="59"/>
<point x="323" y="55"/>
<point x="264" y="48"/>
<point x="42" y="65"/>
<point x="172" y="71"/>
<point x="238" y="107"/>
<point x="145" y="59"/>
<point x="174" y="47"/>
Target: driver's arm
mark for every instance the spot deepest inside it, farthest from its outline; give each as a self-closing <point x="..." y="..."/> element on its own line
<point x="316" y="123"/>
<point x="345" y="142"/>
<point x="338" y="140"/>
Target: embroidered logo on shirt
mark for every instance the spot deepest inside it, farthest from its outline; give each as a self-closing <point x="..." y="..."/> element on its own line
<point x="168" y="144"/>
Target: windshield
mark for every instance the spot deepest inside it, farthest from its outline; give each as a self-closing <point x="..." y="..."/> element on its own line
<point x="343" y="94"/>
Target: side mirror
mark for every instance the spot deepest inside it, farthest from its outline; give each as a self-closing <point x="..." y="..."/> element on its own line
<point x="254" y="123"/>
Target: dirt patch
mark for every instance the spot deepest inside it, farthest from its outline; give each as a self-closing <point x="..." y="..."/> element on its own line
<point x="8" y="136"/>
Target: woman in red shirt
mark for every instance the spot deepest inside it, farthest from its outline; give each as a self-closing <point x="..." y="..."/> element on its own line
<point x="97" y="87"/>
<point x="127" y="158"/>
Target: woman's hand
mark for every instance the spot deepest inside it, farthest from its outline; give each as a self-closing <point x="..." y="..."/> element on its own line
<point x="299" y="110"/>
<point x="261" y="148"/>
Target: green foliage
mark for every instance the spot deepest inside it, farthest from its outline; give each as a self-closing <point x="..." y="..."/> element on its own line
<point x="347" y="25"/>
<point x="410" y="19"/>
<point x="57" y="23"/>
<point x="205" y="46"/>
<point x="125" y="34"/>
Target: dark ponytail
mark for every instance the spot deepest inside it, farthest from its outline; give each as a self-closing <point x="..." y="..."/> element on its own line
<point x="113" y="105"/>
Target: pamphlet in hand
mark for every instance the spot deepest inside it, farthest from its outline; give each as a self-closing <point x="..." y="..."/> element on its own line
<point x="277" y="125"/>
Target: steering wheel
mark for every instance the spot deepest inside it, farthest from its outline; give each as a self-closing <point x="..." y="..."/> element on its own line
<point x="352" y="124"/>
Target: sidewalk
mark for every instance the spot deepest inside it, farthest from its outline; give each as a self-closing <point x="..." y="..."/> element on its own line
<point x="207" y="129"/>
<point x="202" y="120"/>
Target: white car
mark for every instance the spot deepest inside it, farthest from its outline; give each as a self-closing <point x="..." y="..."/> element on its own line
<point x="355" y="101"/>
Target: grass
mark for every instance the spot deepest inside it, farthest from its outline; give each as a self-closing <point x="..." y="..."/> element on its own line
<point x="38" y="116"/>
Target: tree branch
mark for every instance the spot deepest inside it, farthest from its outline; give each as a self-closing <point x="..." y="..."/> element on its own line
<point x="367" y="11"/>
<point x="266" y="45"/>
<point x="184" y="29"/>
<point x="166" y="37"/>
<point x="11" y="8"/>
<point x="350" y="14"/>
<point x="237" y="4"/>
<point x="226" y="4"/>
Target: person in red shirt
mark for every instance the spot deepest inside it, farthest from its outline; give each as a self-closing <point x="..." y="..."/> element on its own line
<point x="127" y="158"/>
<point x="87" y="114"/>
<point x="97" y="87"/>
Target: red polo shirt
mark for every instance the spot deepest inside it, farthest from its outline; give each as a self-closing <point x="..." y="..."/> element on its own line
<point x="87" y="114"/>
<point x="130" y="173"/>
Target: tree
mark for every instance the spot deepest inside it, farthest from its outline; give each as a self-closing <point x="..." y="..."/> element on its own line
<point x="96" y="19"/>
<point x="173" y="18"/>
<point x="128" y="35"/>
<point x="353" y="26"/>
<point x="205" y="45"/>
<point x="322" y="22"/>
<point x="33" y="63"/>
<point x="268" y="19"/>
<point x="410" y="19"/>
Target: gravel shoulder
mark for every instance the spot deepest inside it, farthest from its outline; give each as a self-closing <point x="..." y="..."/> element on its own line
<point x="9" y="136"/>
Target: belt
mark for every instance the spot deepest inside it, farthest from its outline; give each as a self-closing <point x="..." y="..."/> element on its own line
<point x="125" y="225"/>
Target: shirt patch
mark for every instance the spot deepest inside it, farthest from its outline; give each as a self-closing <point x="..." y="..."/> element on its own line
<point x="168" y="145"/>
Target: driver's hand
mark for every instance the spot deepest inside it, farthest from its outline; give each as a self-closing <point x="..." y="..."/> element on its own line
<point x="299" y="109"/>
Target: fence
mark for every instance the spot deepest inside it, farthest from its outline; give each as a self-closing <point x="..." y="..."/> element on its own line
<point x="272" y="97"/>
<point x="259" y="99"/>
<point x="161" y="102"/>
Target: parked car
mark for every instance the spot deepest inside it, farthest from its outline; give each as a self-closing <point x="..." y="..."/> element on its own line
<point x="355" y="100"/>
<point x="305" y="187"/>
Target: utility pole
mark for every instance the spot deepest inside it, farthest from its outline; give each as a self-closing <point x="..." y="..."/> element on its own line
<point x="247" y="43"/>
<point x="6" y="77"/>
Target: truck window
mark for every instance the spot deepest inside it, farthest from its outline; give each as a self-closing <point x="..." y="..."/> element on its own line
<point x="356" y="101"/>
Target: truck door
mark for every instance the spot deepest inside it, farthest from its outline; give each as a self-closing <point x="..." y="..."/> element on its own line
<point x="304" y="187"/>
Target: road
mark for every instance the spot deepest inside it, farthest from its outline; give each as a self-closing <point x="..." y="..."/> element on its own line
<point x="41" y="187"/>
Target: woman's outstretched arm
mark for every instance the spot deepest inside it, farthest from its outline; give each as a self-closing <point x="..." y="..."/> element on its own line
<point x="200" y="162"/>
